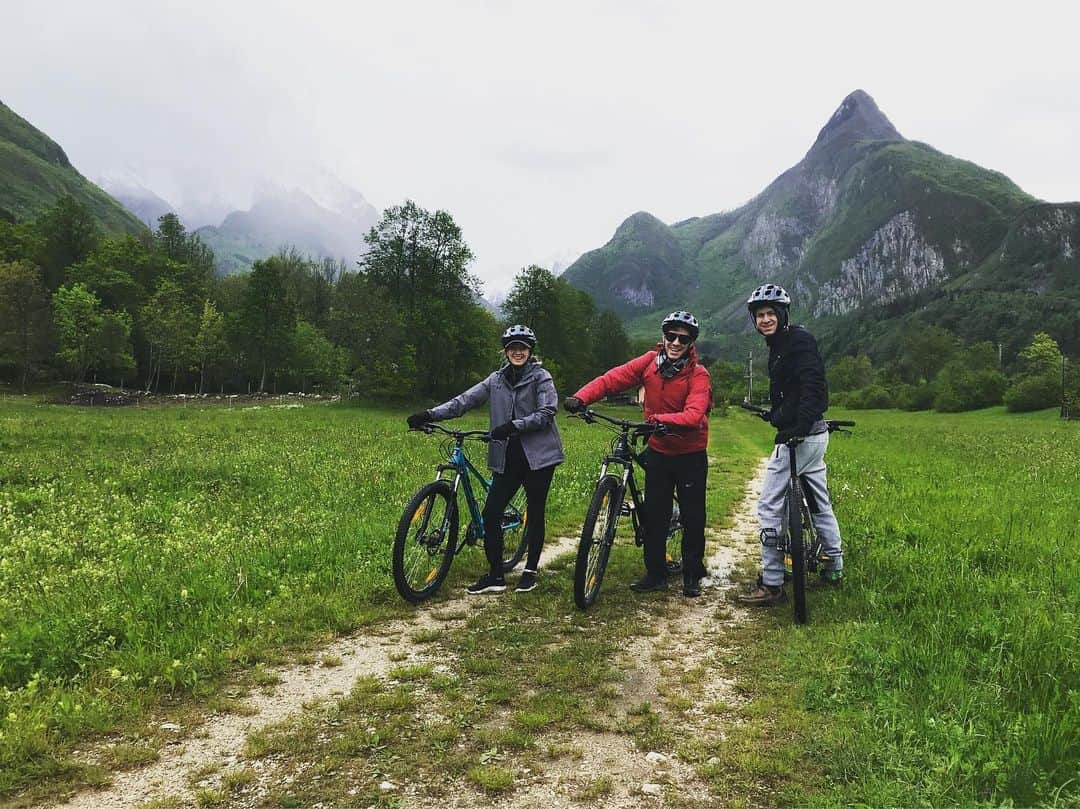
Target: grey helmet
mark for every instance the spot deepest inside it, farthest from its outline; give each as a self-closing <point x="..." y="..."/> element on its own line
<point x="682" y="319"/>
<point x="774" y="295"/>
<point x="519" y="334"/>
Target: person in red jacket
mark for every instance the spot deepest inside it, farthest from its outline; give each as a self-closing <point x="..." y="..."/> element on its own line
<point x="678" y="393"/>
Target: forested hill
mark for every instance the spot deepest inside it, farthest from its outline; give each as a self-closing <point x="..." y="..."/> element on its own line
<point x="873" y="234"/>
<point x="35" y="173"/>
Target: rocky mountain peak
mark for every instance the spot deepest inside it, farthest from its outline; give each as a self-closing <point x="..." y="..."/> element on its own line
<point x="857" y="118"/>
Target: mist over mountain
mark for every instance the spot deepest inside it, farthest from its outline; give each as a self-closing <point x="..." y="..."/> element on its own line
<point x="870" y="232"/>
<point x="325" y="219"/>
<point x="127" y="189"/>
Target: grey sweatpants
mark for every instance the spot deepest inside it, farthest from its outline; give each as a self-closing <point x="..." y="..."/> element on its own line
<point x="772" y="512"/>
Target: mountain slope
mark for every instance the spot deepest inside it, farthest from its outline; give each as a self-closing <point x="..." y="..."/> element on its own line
<point x="867" y="225"/>
<point x="333" y="226"/>
<point x="35" y="172"/>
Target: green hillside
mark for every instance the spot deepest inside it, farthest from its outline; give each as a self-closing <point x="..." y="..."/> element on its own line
<point x="872" y="233"/>
<point x="35" y="173"/>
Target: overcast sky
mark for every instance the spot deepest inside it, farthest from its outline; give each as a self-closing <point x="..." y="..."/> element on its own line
<point x="538" y="126"/>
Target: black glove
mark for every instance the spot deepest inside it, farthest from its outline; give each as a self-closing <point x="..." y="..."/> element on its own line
<point x="658" y="428"/>
<point x="572" y="404"/>
<point x="418" y="419"/>
<point x="503" y="431"/>
<point x="765" y="415"/>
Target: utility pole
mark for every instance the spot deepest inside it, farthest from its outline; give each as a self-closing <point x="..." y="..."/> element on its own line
<point x="750" y="377"/>
<point x="1064" y="402"/>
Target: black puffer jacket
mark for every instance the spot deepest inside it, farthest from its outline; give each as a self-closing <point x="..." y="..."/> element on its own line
<point x="797" y="388"/>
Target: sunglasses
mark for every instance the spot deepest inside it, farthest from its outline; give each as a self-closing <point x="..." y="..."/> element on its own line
<point x="674" y="337"/>
<point x="517" y="347"/>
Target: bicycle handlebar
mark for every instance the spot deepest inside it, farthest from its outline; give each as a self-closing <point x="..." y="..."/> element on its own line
<point x="460" y="435"/>
<point x="639" y="427"/>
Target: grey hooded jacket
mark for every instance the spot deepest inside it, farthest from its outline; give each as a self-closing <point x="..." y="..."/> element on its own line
<point x="531" y="404"/>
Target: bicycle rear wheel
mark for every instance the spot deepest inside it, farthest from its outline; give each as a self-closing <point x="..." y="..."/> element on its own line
<point x="514" y="520"/>
<point x="673" y="550"/>
<point x="425" y="541"/>
<point x="597" y="536"/>
<point x="797" y="549"/>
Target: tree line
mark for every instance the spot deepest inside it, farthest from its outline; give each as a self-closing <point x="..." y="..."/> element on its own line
<point x="148" y="311"/>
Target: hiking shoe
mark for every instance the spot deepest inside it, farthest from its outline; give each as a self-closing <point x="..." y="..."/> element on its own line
<point x="527" y="582"/>
<point x="649" y="584"/>
<point x="763" y="596"/>
<point x="826" y="578"/>
<point x="487" y="584"/>
<point x="691" y="588"/>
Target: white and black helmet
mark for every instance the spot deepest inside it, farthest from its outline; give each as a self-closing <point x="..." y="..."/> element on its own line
<point x="519" y="334"/>
<point x="682" y="319"/>
<point x="768" y="293"/>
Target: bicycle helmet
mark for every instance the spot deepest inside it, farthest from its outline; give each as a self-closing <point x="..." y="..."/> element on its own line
<point x="519" y="334"/>
<point x="682" y="319"/>
<point x="773" y="295"/>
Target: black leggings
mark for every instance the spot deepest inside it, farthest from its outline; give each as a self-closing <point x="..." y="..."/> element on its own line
<point x="662" y="474"/>
<point x="504" y="486"/>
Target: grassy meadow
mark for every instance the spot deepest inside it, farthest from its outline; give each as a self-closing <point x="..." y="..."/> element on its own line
<point x="146" y="552"/>
<point x="947" y="671"/>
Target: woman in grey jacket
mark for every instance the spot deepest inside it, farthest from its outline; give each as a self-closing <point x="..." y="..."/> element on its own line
<point x="524" y="450"/>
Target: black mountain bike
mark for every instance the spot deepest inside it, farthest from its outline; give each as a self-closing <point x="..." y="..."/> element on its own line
<point x="800" y="544"/>
<point x="609" y="503"/>
<point x="427" y="534"/>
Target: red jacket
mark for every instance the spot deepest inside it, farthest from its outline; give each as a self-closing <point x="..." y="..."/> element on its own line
<point x="683" y="401"/>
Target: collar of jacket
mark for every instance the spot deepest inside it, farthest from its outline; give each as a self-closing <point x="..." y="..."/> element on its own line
<point x="527" y="371"/>
<point x="778" y="336"/>
<point x="691" y="357"/>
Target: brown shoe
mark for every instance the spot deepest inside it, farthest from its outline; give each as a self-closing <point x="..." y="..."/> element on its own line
<point x="763" y="596"/>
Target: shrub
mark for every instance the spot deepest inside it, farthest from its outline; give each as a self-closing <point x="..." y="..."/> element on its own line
<point x="1033" y="393"/>
<point x="871" y="397"/>
<point x="915" y="397"/>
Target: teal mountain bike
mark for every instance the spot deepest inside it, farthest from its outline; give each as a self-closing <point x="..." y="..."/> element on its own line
<point x="427" y="535"/>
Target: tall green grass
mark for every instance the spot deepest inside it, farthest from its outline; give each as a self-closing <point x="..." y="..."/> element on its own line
<point x="948" y="670"/>
<point x="145" y="551"/>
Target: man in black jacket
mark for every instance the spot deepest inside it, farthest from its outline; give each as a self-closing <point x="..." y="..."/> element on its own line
<point x="799" y="396"/>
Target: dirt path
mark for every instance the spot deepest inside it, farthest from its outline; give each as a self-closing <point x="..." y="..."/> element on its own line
<point x="689" y="635"/>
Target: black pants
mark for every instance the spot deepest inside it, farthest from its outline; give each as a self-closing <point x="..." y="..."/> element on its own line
<point x="662" y="474"/>
<point x="504" y="486"/>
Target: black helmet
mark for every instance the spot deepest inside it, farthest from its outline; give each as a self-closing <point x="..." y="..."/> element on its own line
<point x="519" y="334"/>
<point x="682" y="319"/>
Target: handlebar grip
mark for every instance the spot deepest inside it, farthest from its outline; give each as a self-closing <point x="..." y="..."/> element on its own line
<point x="844" y="423"/>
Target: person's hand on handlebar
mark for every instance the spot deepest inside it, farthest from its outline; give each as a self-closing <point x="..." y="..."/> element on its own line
<point x="417" y="420"/>
<point x="503" y="431"/>
<point x="571" y="404"/>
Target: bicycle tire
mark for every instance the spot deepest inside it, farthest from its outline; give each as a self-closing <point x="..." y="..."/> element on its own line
<point x="674" y="543"/>
<point x="515" y="520"/>
<point x="421" y="559"/>
<point x="797" y="549"/>
<point x="597" y="536"/>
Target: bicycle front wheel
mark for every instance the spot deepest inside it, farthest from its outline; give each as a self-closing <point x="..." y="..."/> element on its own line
<point x="514" y="520"/>
<point x="797" y="549"/>
<point x="597" y="537"/>
<point x="425" y="541"/>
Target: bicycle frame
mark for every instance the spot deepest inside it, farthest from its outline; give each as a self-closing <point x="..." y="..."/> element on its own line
<point x="463" y="473"/>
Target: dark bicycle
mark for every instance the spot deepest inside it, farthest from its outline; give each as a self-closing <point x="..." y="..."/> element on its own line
<point x="427" y="534"/>
<point x="609" y="503"/>
<point x="801" y="544"/>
